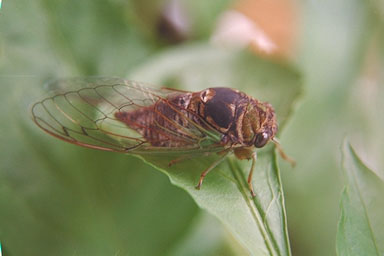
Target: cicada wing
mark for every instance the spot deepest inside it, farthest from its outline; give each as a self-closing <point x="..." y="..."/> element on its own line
<point x="82" y="111"/>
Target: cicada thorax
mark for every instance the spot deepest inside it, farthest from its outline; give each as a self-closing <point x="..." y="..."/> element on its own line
<point x="238" y="117"/>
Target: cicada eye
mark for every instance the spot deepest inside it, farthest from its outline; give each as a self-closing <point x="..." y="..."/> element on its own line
<point x="261" y="139"/>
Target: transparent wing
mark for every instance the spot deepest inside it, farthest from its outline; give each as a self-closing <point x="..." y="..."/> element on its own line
<point x="82" y="111"/>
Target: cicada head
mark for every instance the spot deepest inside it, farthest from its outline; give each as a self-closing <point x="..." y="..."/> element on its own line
<point x="263" y="123"/>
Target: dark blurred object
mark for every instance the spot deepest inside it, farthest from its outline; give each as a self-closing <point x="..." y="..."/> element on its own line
<point x="173" y="25"/>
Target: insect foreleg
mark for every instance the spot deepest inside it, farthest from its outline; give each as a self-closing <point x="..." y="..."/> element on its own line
<point x="282" y="154"/>
<point x="211" y="167"/>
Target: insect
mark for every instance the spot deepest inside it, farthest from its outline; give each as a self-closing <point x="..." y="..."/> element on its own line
<point x="126" y="116"/>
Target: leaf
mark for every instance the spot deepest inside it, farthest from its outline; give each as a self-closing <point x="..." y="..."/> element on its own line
<point x="260" y="224"/>
<point x="361" y="223"/>
<point x="211" y="237"/>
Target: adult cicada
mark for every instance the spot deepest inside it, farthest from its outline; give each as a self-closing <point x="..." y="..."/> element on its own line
<point x="129" y="117"/>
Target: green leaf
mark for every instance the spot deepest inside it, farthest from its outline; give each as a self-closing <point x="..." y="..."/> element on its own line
<point x="260" y="224"/>
<point x="361" y="223"/>
<point x="211" y="237"/>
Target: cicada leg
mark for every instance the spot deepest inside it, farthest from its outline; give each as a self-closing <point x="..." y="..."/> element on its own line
<point x="186" y="157"/>
<point x="247" y="153"/>
<point x="282" y="154"/>
<point x="211" y="167"/>
<point x="178" y="160"/>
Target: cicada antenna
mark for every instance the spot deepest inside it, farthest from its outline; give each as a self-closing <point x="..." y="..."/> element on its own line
<point x="282" y="153"/>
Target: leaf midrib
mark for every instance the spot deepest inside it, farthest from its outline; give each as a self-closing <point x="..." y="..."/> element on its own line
<point x="239" y="176"/>
<point x="362" y="201"/>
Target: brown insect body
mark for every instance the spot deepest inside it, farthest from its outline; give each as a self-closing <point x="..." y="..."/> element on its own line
<point x="126" y="116"/>
<point x="242" y="121"/>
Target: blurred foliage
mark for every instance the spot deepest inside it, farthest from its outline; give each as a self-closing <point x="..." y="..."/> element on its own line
<point x="58" y="199"/>
<point x="361" y="225"/>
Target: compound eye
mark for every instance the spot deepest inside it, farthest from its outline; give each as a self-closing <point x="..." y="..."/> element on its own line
<point x="261" y="139"/>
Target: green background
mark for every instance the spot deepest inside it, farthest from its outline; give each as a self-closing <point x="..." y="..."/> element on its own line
<point x="58" y="199"/>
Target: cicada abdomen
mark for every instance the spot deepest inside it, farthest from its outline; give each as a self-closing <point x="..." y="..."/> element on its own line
<point x="167" y="122"/>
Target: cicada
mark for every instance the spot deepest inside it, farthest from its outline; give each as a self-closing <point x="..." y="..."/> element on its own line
<point x="129" y="117"/>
